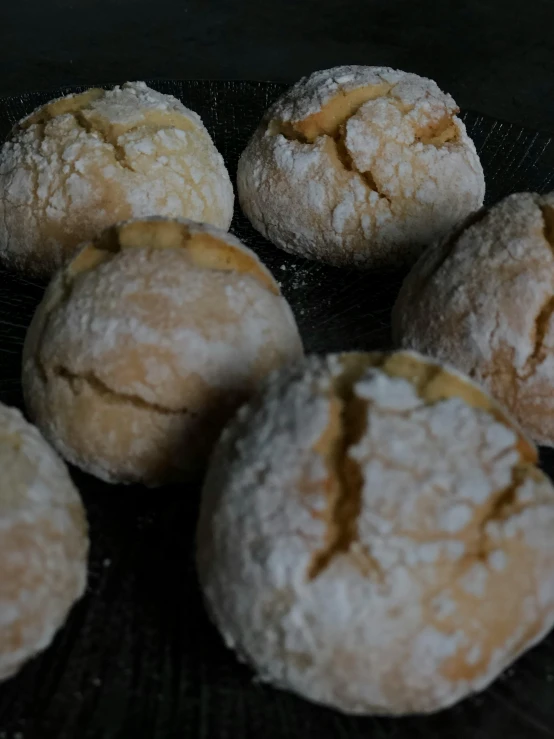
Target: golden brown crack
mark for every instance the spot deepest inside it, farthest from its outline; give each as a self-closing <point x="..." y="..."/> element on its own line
<point x="71" y="104"/>
<point x="502" y="507"/>
<point x="88" y="258"/>
<point x="204" y="250"/>
<point x="82" y="109"/>
<point x="109" y="395"/>
<point x="94" y="122"/>
<point x="542" y="323"/>
<point x="347" y="425"/>
<point x="433" y="384"/>
<point x="60" y="292"/>
<point x="151" y="119"/>
<point x="439" y="132"/>
<point x="76" y="106"/>
<point x="106" y="134"/>
<point x="542" y="320"/>
<point x="331" y="121"/>
<point x="345" y="158"/>
<point x="503" y="504"/>
<point x="548" y="224"/>
<point x="328" y="120"/>
<point x="344" y="480"/>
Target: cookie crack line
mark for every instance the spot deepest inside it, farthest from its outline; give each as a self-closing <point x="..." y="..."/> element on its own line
<point x="75" y="106"/>
<point x="344" y="158"/>
<point x="504" y="506"/>
<point x="345" y="479"/>
<point x="349" y="165"/>
<point x="331" y="121"/>
<point x="90" y="379"/>
<point x="332" y="115"/>
<point x="104" y="135"/>
<point x="548" y="225"/>
<point x="542" y="320"/>
<point x="542" y="323"/>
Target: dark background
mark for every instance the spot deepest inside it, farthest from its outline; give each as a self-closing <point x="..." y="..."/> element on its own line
<point x="494" y="56"/>
<point x="138" y="658"/>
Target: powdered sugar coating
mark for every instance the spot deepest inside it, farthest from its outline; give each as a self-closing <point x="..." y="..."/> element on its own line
<point x="419" y="604"/>
<point x="489" y="292"/>
<point x="132" y="365"/>
<point x="43" y="542"/>
<point x="379" y="187"/>
<point x="84" y="162"/>
<point x="310" y="94"/>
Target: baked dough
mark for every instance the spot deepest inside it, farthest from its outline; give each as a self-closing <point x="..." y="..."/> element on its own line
<point x="360" y="166"/>
<point x="375" y="536"/>
<point x="84" y="162"/>
<point x="43" y="542"/>
<point x="483" y="300"/>
<point x="145" y="344"/>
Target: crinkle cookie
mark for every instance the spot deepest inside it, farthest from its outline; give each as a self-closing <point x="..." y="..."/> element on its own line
<point x="43" y="542"/>
<point x="375" y="536"/>
<point x="483" y="300"/>
<point x="146" y="342"/>
<point x="360" y="166"/>
<point x="86" y="161"/>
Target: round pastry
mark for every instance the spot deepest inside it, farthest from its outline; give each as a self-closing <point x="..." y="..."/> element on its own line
<point x="146" y="342"/>
<point x="375" y="536"/>
<point x="483" y="300"/>
<point x="360" y="166"/>
<point x="83" y="162"/>
<point x="43" y="542"/>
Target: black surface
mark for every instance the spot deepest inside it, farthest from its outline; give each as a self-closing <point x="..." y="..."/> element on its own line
<point x="138" y="657"/>
<point x="496" y="56"/>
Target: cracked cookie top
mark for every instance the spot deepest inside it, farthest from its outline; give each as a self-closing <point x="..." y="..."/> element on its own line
<point x="362" y="165"/>
<point x="83" y="162"/>
<point x="483" y="300"/>
<point x="148" y="339"/>
<point x="375" y="535"/>
<point x="44" y="542"/>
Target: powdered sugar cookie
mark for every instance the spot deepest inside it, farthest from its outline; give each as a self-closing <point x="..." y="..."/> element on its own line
<point x="145" y="344"/>
<point x="483" y="300"/>
<point x="43" y="542"/>
<point x="360" y="165"/>
<point x="83" y="162"/>
<point x="375" y="536"/>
